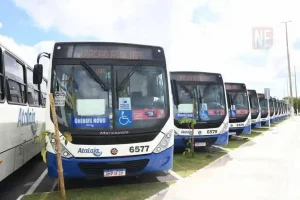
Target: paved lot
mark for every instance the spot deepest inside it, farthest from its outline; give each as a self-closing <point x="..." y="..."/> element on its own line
<point x="267" y="168"/>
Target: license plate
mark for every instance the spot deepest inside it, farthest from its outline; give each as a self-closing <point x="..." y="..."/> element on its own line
<point x="232" y="133"/>
<point x="114" y="172"/>
<point x="200" y="144"/>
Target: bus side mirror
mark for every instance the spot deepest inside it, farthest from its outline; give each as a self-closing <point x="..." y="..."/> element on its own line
<point x="37" y="74"/>
<point x="174" y="93"/>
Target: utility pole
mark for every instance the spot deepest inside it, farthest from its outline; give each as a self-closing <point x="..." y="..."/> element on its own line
<point x="289" y="67"/>
<point x="296" y="90"/>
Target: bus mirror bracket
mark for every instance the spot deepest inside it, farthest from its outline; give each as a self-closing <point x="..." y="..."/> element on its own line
<point x="38" y="69"/>
<point x="175" y="93"/>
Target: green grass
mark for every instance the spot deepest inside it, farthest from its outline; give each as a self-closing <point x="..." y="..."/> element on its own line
<point x="120" y="192"/>
<point x="184" y="166"/>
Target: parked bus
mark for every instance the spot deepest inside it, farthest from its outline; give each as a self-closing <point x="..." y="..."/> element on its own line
<point x="23" y="113"/>
<point x="239" y="107"/>
<point x="276" y="105"/>
<point x="211" y="108"/>
<point x="255" y="109"/>
<point x="264" y="109"/>
<point x="114" y="100"/>
<point x="272" y="109"/>
<point x="280" y="110"/>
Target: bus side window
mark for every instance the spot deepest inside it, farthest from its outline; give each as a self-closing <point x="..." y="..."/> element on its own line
<point x="32" y="90"/>
<point x="1" y="87"/>
<point x="14" y="72"/>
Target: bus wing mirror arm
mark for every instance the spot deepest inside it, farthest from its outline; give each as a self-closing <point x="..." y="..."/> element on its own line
<point x="38" y="68"/>
<point x="175" y="93"/>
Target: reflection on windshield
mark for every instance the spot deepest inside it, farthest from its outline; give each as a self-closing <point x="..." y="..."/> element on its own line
<point x="254" y="103"/>
<point x="210" y="101"/>
<point x="141" y="103"/>
<point x="238" y="103"/>
<point x="86" y="104"/>
<point x="145" y="92"/>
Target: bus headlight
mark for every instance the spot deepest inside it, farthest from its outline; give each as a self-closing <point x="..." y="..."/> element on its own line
<point x="164" y="142"/>
<point x="64" y="152"/>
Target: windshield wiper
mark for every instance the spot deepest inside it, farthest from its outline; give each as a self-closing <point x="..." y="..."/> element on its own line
<point x="94" y="75"/>
<point x="121" y="87"/>
<point x="186" y="90"/>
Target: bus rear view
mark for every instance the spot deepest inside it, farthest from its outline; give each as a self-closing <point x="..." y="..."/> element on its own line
<point x="211" y="111"/>
<point x="255" y="109"/>
<point x="239" y="106"/>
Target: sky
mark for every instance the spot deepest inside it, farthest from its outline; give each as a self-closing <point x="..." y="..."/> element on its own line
<point x="197" y="35"/>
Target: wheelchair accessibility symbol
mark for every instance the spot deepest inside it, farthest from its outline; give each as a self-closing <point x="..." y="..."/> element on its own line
<point x="125" y="117"/>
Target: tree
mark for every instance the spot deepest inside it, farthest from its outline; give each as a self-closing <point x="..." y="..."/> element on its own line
<point x="190" y="150"/>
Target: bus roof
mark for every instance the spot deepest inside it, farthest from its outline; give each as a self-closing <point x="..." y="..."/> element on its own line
<point x="107" y="43"/>
<point x="196" y="72"/>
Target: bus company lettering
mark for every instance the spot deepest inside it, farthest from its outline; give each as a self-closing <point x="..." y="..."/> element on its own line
<point x="26" y="117"/>
<point x="96" y="152"/>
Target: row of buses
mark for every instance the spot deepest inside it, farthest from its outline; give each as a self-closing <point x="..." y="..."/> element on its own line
<point x="122" y="107"/>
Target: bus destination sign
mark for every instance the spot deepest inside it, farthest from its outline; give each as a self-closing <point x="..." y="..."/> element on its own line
<point x="112" y="52"/>
<point x="196" y="78"/>
<point x="229" y="86"/>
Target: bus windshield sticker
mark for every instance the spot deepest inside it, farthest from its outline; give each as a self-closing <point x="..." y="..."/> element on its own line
<point x="124" y="118"/>
<point x="90" y="122"/>
<point x="59" y="98"/>
<point x="179" y="116"/>
<point x="204" y="113"/>
<point x="124" y="103"/>
<point x="216" y="112"/>
<point x="148" y="114"/>
<point x="90" y="107"/>
<point x="204" y="106"/>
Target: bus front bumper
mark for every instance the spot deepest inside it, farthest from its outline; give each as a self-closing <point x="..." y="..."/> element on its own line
<point x="94" y="167"/>
<point x="218" y="139"/>
<point x="256" y="125"/>
<point x="241" y="130"/>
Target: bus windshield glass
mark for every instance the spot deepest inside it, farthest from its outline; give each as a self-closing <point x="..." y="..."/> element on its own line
<point x="272" y="108"/>
<point x="208" y="91"/>
<point x="237" y="98"/>
<point x="263" y="105"/>
<point x="253" y="103"/>
<point x="112" y="96"/>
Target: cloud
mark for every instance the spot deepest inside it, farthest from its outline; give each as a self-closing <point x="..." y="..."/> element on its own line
<point x="217" y="39"/>
<point x="28" y="53"/>
<point x="1" y="25"/>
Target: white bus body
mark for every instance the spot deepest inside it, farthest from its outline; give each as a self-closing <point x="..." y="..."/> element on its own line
<point x="22" y="113"/>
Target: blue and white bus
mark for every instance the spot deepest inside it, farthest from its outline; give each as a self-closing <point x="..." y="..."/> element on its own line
<point x="280" y="110"/>
<point x="265" y="115"/>
<point x="239" y="108"/>
<point x="276" y="105"/>
<point x="114" y="99"/>
<point x="22" y="112"/>
<point x="211" y="107"/>
<point x="272" y="109"/>
<point x="255" y="109"/>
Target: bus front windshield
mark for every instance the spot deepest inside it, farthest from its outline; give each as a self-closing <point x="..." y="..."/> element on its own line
<point x="272" y="108"/>
<point x="264" y="107"/>
<point x="238" y="103"/>
<point x="254" y="104"/>
<point x="110" y="97"/>
<point x="210" y="101"/>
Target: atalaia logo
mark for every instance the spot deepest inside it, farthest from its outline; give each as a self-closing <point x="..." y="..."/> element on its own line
<point x="96" y="152"/>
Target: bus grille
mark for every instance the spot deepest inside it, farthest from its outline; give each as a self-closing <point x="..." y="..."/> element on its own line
<point x="98" y="168"/>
